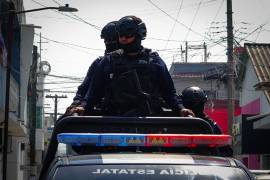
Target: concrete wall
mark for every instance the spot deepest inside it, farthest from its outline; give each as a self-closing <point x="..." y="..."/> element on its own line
<point x="39" y="139"/>
<point x="248" y="93"/>
<point x="252" y="102"/>
<point x="15" y="160"/>
<point x="14" y="97"/>
<point x="182" y="83"/>
<point x="27" y="37"/>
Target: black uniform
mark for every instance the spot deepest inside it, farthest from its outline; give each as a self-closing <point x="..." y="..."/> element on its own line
<point x="131" y="85"/>
<point x="214" y="125"/>
<point x="82" y="89"/>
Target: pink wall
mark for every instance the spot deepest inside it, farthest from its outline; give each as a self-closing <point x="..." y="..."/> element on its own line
<point x="251" y="161"/>
<point x="251" y="108"/>
<point x="219" y="113"/>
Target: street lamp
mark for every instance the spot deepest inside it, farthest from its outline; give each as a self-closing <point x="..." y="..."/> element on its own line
<point x="65" y="8"/>
<point x="11" y="15"/>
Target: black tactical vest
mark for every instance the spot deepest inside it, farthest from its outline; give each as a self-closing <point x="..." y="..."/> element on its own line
<point x="133" y="85"/>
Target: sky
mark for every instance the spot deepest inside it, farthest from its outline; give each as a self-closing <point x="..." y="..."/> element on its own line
<point x="71" y="41"/>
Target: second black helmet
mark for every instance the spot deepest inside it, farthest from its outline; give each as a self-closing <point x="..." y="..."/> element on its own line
<point x="110" y="36"/>
<point x="193" y="96"/>
<point x="109" y="32"/>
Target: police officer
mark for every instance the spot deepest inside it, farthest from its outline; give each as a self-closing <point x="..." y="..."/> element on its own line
<point x="132" y="80"/>
<point x="194" y="98"/>
<point x="110" y="36"/>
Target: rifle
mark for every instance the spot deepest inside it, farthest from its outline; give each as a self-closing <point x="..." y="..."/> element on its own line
<point x="133" y="79"/>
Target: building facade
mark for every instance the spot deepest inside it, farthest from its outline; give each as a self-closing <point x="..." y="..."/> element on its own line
<point x="211" y="77"/>
<point x="254" y="121"/>
<point x="22" y="45"/>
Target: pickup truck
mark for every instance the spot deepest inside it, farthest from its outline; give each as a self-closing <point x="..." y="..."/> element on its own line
<point x="132" y="148"/>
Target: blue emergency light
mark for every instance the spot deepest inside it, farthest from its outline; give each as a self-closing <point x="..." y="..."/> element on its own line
<point x="144" y="140"/>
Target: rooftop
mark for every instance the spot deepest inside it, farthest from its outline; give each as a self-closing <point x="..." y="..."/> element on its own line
<point x="259" y="55"/>
<point x="195" y="69"/>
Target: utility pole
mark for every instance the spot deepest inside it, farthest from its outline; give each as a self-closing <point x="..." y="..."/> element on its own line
<point x="33" y="120"/>
<point x="230" y="65"/>
<point x="186" y="52"/>
<point x="40" y="47"/>
<point x="55" y="97"/>
<point x="196" y="47"/>
<point x="205" y="52"/>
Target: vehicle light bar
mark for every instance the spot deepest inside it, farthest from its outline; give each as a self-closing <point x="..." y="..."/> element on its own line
<point x="145" y="140"/>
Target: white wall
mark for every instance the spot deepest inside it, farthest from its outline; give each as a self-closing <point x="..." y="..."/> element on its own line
<point x="265" y="105"/>
<point x="39" y="139"/>
<point x="15" y="161"/>
<point x="27" y="38"/>
<point x="248" y="93"/>
<point x="14" y="96"/>
<point x="181" y="83"/>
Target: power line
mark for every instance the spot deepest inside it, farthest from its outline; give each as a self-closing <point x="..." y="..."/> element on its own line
<point x="166" y="49"/>
<point x="65" y="87"/>
<point x="67" y="43"/>
<point x="61" y="82"/>
<point x="77" y="17"/>
<point x="214" y="19"/>
<point x="258" y="34"/>
<point x="256" y="29"/>
<point x="172" y="30"/>
<point x="180" y="22"/>
<point x="266" y="30"/>
<point x="194" y="17"/>
<point x="70" y="92"/>
<point x="82" y="20"/>
<point x="171" y="40"/>
<point x="56" y="2"/>
<point x="66" y="77"/>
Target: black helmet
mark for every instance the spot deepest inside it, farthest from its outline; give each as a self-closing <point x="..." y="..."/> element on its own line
<point x="131" y="25"/>
<point x="109" y="32"/>
<point x="194" y="98"/>
<point x="110" y="35"/>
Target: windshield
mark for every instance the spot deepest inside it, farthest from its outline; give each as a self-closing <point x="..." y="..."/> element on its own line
<point x="149" y="172"/>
